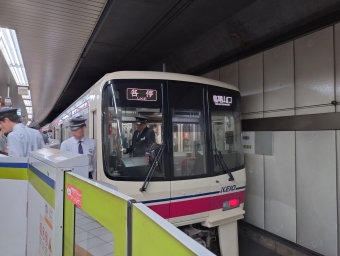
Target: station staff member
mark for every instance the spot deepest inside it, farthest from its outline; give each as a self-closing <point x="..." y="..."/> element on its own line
<point x="143" y="138"/>
<point x="3" y="142"/>
<point x="81" y="144"/>
<point x="22" y="139"/>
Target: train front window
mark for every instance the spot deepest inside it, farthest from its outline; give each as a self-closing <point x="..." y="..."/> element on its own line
<point x="186" y="104"/>
<point x="224" y="105"/>
<point x="132" y="129"/>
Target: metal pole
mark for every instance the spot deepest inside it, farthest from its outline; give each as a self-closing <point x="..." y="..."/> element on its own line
<point x="129" y="226"/>
<point x="164" y="67"/>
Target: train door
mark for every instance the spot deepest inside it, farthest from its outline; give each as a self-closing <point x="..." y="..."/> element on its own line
<point x="190" y="184"/>
<point x="122" y="102"/>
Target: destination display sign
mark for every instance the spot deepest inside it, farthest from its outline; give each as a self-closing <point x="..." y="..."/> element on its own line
<point x="222" y="100"/>
<point x="141" y="94"/>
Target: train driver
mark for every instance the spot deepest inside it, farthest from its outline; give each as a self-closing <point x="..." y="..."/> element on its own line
<point x="22" y="139"/>
<point x="143" y="138"/>
<point x="81" y="144"/>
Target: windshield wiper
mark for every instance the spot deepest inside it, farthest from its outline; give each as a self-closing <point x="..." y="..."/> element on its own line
<point x="220" y="161"/>
<point x="152" y="168"/>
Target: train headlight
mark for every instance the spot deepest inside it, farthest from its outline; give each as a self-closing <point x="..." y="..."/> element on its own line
<point x="233" y="203"/>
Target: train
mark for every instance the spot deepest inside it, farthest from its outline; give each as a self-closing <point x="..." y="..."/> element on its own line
<point x="196" y="178"/>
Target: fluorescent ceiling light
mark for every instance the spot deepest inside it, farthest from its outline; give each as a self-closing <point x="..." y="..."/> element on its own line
<point x="27" y="96"/>
<point x="28" y="103"/>
<point x="30" y="116"/>
<point x="29" y="110"/>
<point x="28" y="123"/>
<point x="10" y="49"/>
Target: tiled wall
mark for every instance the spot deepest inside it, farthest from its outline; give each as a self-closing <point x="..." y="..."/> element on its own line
<point x="296" y="78"/>
<point x="294" y="192"/>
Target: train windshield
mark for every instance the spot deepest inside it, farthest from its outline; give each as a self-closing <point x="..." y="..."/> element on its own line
<point x="135" y="124"/>
<point x="225" y="114"/>
<point x="132" y="129"/>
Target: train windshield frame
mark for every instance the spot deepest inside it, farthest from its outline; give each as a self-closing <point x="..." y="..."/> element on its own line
<point x="178" y="116"/>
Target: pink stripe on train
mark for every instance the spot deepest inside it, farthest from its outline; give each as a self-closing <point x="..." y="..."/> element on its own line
<point x="193" y="206"/>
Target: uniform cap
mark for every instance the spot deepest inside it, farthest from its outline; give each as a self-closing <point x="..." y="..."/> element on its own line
<point x="6" y="112"/>
<point x="77" y="123"/>
<point x="141" y="119"/>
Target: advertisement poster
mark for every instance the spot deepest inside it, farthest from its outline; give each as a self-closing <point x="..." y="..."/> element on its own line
<point x="46" y="232"/>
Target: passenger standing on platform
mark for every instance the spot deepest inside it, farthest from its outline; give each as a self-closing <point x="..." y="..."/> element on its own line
<point x="50" y="134"/>
<point x="3" y="142"/>
<point x="81" y="144"/>
<point x="22" y="139"/>
<point x="45" y="137"/>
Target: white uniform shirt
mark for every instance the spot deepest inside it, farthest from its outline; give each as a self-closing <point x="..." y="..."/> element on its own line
<point x="89" y="148"/>
<point x="23" y="140"/>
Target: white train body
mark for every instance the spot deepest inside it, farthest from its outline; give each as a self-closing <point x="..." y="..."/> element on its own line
<point x="196" y="118"/>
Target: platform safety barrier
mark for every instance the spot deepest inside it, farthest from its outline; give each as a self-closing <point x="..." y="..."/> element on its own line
<point x="38" y="209"/>
<point x="13" y="200"/>
<point x="136" y="229"/>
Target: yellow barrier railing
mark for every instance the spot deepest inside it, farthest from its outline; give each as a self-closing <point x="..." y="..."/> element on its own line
<point x="106" y="206"/>
<point x="136" y="229"/>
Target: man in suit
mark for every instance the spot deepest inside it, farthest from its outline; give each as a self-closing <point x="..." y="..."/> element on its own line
<point x="143" y="138"/>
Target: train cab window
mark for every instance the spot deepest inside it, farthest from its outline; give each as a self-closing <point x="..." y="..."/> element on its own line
<point x="186" y="104"/>
<point x="132" y="129"/>
<point x="224" y="105"/>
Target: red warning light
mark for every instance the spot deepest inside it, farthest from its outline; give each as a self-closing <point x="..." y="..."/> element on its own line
<point x="234" y="203"/>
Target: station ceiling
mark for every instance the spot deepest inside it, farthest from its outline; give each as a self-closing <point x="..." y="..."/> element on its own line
<point x="52" y="35"/>
<point x="189" y="36"/>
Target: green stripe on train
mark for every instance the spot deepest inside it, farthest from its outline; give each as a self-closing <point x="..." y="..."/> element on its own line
<point x="13" y="173"/>
<point x="43" y="189"/>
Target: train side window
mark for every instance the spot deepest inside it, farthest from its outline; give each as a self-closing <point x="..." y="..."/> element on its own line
<point x="188" y="139"/>
<point x="225" y="113"/>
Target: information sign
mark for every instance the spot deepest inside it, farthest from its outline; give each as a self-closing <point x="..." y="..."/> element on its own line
<point x="141" y="94"/>
<point x="74" y="195"/>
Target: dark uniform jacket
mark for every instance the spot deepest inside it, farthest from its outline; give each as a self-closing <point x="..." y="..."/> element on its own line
<point x="142" y="143"/>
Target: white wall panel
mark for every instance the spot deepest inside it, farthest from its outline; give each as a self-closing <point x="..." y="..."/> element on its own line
<point x="338" y="175"/>
<point x="254" y="201"/>
<point x="337" y="62"/>
<point x="229" y="74"/>
<point x="316" y="191"/>
<point x="251" y="83"/>
<point x="314" y="69"/>
<point x="13" y="221"/>
<point x="280" y="207"/>
<point x="279" y="79"/>
<point x="215" y="74"/>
